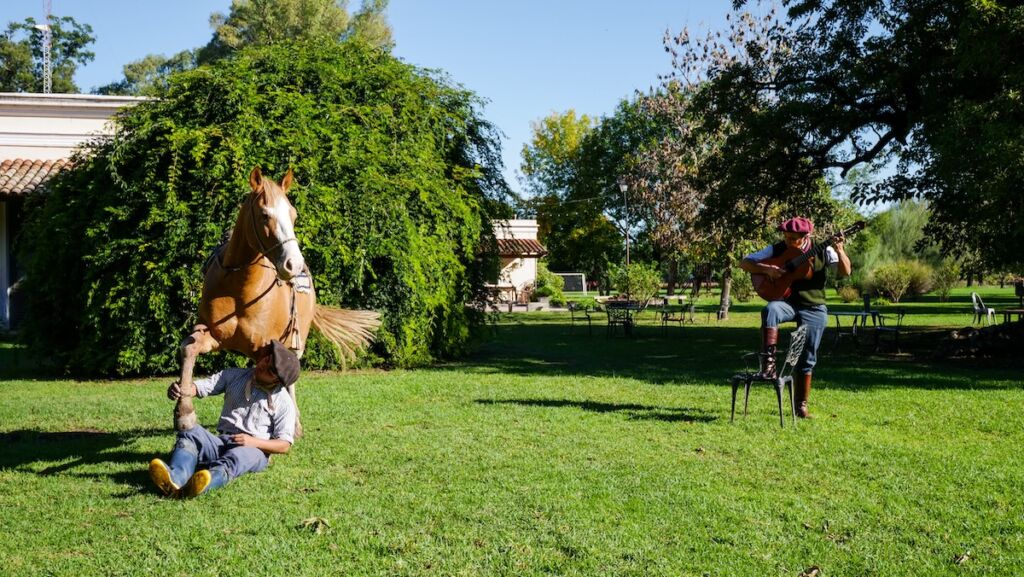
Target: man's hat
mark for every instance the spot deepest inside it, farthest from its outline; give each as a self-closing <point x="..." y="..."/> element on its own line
<point x="799" y="225"/>
<point x="286" y="364"/>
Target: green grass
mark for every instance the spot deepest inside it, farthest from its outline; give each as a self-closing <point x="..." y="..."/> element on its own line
<point x="546" y="452"/>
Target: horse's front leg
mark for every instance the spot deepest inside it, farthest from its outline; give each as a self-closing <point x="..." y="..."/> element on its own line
<point x="298" y="422"/>
<point x="197" y="343"/>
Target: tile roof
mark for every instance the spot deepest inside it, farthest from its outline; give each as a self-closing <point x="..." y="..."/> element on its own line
<point x="520" y="247"/>
<point x="20" y="177"/>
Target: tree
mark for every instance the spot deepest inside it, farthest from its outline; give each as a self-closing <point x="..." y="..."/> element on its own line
<point x="258" y="23"/>
<point x="398" y="178"/>
<point x="573" y="227"/>
<point x="21" y="55"/>
<point x="150" y="74"/>
<point x="926" y="84"/>
<point x="712" y="182"/>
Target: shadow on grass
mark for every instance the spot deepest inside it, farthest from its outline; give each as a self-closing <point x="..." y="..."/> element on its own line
<point x="78" y="450"/>
<point x="705" y="354"/>
<point x="634" y="411"/>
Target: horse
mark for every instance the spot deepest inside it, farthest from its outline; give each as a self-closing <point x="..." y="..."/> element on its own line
<point x="257" y="288"/>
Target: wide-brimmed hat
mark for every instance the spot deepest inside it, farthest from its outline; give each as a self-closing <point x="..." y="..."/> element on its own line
<point x="286" y="364"/>
<point x="799" y="225"/>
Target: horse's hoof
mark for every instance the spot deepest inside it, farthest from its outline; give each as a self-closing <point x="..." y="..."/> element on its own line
<point x="185" y="422"/>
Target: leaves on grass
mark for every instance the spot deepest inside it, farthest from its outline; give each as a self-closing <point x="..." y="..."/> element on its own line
<point x="315" y="525"/>
<point x="699" y="450"/>
<point x="812" y="571"/>
<point x="962" y="558"/>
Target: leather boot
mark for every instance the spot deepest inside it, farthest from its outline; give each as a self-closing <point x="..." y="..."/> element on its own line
<point x="769" y="344"/>
<point x="801" y="394"/>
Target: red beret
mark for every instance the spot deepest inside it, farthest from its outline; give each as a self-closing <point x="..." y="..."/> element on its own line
<point x="799" y="225"/>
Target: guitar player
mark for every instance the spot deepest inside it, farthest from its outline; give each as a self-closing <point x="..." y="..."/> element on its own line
<point x="805" y="303"/>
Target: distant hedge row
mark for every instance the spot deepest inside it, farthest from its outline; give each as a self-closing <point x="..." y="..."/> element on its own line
<point x="397" y="177"/>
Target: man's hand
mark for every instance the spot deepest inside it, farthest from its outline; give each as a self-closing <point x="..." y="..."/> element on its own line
<point x="174" y="391"/>
<point x="243" y="440"/>
<point x="772" y="271"/>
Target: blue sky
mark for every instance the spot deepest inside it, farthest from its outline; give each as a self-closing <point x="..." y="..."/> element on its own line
<point x="528" y="58"/>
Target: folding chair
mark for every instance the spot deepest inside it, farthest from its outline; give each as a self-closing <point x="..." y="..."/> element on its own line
<point x="784" y="376"/>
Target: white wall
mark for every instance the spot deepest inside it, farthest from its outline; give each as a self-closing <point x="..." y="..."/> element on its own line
<point x="46" y="127"/>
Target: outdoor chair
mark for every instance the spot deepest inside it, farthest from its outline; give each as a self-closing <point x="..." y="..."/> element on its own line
<point x="681" y="316"/>
<point x="784" y="375"/>
<point x="889" y="327"/>
<point x="580" y="313"/>
<point x="620" y="314"/>
<point x="980" y="310"/>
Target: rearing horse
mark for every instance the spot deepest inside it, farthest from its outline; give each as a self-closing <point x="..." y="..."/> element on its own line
<point x="257" y="288"/>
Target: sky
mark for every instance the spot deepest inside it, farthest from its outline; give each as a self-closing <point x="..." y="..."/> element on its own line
<point x="527" y="58"/>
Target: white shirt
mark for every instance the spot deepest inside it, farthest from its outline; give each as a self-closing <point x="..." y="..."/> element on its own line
<point x="253" y="416"/>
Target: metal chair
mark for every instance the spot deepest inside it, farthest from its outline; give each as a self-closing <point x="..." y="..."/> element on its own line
<point x="784" y="376"/>
<point x="980" y="310"/>
<point x="578" y="312"/>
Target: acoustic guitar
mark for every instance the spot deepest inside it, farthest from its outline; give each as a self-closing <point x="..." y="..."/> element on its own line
<point x="797" y="266"/>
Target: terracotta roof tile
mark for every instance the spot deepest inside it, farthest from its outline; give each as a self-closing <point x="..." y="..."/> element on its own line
<point x="20" y="177"/>
<point x="520" y="247"/>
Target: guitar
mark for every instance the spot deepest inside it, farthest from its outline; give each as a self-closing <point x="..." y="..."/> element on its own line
<point x="797" y="265"/>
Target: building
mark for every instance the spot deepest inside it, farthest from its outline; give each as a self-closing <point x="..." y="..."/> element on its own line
<point x="519" y="252"/>
<point x="38" y="134"/>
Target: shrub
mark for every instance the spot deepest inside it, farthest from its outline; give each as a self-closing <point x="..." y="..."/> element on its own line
<point x="946" y="277"/>
<point x="921" y="275"/>
<point x="848" y="293"/>
<point x="397" y="180"/>
<point x="638" y="280"/>
<point x="891" y="280"/>
<point x="742" y="287"/>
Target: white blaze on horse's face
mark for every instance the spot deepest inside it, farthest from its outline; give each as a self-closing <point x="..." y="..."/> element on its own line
<point x="288" y="260"/>
<point x="274" y="224"/>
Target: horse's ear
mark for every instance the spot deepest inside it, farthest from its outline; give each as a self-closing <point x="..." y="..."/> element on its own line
<point x="256" y="179"/>
<point x="286" y="182"/>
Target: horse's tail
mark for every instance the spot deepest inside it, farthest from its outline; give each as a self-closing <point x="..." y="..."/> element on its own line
<point x="349" y="330"/>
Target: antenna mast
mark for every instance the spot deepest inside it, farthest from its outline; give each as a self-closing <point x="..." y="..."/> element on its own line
<point x="47" y="45"/>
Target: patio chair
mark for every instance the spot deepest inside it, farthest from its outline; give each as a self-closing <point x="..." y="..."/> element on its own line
<point x="680" y="316"/>
<point x="889" y="327"/>
<point x="580" y="313"/>
<point x="980" y="310"/>
<point x="784" y="376"/>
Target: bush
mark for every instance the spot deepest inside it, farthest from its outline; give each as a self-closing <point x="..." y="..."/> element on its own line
<point x="848" y="293"/>
<point x="742" y="287"/>
<point x="638" y="280"/>
<point x="891" y="280"/>
<point x="921" y="275"/>
<point x="946" y="277"/>
<point x="549" y="285"/>
<point x="397" y="179"/>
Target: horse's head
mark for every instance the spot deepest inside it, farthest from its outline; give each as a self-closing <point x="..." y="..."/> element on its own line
<point x="271" y="229"/>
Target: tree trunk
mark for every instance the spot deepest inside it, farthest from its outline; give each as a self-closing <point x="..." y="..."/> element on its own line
<point x="673" y="276"/>
<point x="723" y="303"/>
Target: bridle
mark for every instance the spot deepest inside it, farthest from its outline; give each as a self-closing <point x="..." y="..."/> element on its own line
<point x="264" y="251"/>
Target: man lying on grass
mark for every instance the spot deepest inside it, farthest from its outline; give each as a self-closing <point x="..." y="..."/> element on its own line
<point x="258" y="419"/>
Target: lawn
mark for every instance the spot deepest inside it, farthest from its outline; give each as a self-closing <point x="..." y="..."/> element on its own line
<point x="547" y="451"/>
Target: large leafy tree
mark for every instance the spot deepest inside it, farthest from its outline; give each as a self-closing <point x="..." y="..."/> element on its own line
<point x="712" y="181"/>
<point x="397" y="177"/>
<point x="259" y="23"/>
<point x="573" y="226"/>
<point x="930" y="85"/>
<point x="21" y="54"/>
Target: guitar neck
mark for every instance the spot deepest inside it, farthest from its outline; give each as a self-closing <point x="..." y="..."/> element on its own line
<point x="816" y="250"/>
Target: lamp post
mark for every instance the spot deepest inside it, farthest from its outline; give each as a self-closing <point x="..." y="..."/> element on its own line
<point x="624" y="188"/>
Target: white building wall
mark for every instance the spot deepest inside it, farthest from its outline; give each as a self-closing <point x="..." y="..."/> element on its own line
<point x="46" y="127"/>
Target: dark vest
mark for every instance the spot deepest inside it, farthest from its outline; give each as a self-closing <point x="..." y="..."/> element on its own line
<point x="806" y="292"/>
